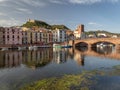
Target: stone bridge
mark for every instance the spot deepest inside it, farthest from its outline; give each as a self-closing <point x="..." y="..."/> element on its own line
<point x="90" y="42"/>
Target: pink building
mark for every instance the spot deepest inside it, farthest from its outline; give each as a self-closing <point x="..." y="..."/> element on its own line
<point x="13" y="35"/>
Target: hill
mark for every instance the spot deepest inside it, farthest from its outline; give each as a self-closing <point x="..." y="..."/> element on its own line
<point x="42" y="24"/>
<point x="60" y="27"/>
<point x="36" y="23"/>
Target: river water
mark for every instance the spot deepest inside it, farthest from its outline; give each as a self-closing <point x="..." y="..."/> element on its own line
<point x="18" y="68"/>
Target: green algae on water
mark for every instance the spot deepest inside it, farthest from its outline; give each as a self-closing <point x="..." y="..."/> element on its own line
<point x="67" y="82"/>
<point x="82" y="81"/>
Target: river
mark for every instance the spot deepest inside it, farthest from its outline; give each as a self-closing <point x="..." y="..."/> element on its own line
<point x="18" y="68"/>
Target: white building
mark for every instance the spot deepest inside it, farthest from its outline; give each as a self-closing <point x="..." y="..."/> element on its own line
<point x="91" y="36"/>
<point x="102" y="35"/>
<point x="114" y="36"/>
<point x="59" y="35"/>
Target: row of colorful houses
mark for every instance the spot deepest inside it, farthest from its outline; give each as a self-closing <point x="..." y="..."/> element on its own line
<point x="20" y="35"/>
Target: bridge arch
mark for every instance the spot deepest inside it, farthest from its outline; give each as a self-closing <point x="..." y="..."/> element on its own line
<point x="93" y="41"/>
<point x="81" y="44"/>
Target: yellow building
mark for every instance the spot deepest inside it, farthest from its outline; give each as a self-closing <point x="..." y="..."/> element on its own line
<point x="38" y="36"/>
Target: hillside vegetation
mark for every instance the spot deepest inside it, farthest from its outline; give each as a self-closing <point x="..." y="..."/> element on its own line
<point x="101" y="31"/>
<point x="42" y="24"/>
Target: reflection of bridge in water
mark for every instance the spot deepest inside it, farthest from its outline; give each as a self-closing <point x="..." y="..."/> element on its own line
<point x="113" y="54"/>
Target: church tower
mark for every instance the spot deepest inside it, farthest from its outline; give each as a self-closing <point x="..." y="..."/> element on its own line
<point x="80" y="29"/>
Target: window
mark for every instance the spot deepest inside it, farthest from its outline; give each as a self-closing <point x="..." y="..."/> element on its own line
<point x="7" y="36"/>
<point x="3" y="36"/>
<point x="18" y="37"/>
<point x="13" y="31"/>
<point x="3" y="32"/>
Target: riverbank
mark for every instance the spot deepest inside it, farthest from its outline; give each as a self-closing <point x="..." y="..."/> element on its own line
<point x="31" y="46"/>
<point x="23" y="47"/>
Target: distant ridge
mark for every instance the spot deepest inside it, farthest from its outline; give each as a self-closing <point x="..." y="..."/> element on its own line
<point x="60" y="27"/>
<point x="102" y="31"/>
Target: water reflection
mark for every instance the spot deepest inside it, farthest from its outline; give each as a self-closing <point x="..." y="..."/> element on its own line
<point x="37" y="58"/>
<point x="31" y="59"/>
<point x="82" y="49"/>
<point x="104" y="50"/>
<point x="42" y="57"/>
<point x="79" y="58"/>
<point x="10" y="59"/>
<point x="60" y="55"/>
<point x="30" y="66"/>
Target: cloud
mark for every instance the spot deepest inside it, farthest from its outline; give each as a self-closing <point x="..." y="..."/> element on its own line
<point x="2" y="0"/>
<point x="113" y="0"/>
<point x="2" y="14"/>
<point x="90" y="1"/>
<point x="95" y="24"/>
<point x="23" y="10"/>
<point x="43" y="3"/>
<point x="84" y="1"/>
<point x="57" y="1"/>
<point x="10" y="22"/>
<point x="34" y="3"/>
<point x="81" y="1"/>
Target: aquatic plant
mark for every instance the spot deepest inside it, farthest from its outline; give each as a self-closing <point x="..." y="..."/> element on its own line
<point x="67" y="82"/>
<point x="83" y="81"/>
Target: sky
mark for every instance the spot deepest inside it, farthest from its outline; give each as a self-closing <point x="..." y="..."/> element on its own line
<point x="94" y="14"/>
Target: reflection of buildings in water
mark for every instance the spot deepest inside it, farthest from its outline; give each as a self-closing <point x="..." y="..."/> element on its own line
<point x="79" y="58"/>
<point x="70" y="53"/>
<point x="32" y="59"/>
<point x="59" y="55"/>
<point x="37" y="58"/>
<point x="10" y="59"/>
